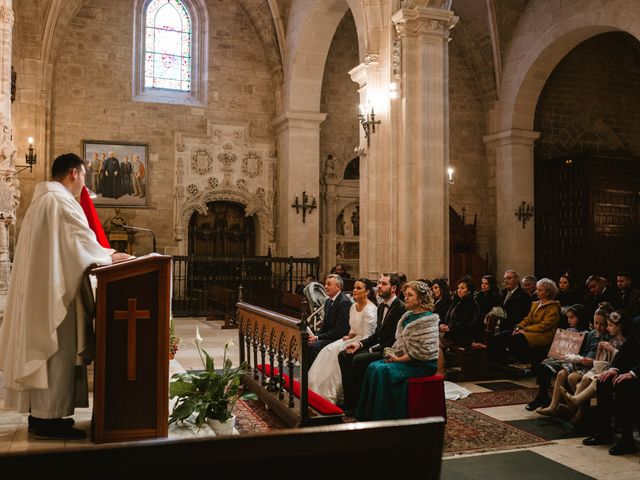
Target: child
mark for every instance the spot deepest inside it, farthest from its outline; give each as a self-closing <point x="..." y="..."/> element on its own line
<point x="607" y="349"/>
<point x="576" y="318"/>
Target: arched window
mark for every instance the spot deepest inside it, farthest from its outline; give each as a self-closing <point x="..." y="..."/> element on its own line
<point x="170" y="51"/>
<point x="168" y="46"/>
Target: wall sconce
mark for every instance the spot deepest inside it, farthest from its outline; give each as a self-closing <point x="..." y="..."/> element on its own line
<point x="29" y="157"/>
<point x="305" y="206"/>
<point x="524" y="212"/>
<point x="450" y="172"/>
<point x="368" y="122"/>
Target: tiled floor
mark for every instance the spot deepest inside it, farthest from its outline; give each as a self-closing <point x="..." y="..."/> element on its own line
<point x="592" y="461"/>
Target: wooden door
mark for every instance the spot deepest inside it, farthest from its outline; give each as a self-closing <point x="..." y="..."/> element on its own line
<point x="587" y="216"/>
<point x="223" y="232"/>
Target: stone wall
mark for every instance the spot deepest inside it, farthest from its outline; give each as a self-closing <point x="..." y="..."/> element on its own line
<point x="468" y="156"/>
<point x="92" y="97"/>
<point x="591" y="101"/>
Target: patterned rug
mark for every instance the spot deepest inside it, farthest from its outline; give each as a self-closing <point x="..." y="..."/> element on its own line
<point x="499" y="398"/>
<point x="469" y="431"/>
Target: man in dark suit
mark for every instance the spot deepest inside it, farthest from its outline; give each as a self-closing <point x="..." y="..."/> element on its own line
<point x="628" y="298"/>
<point x="516" y="303"/>
<point x="336" y="317"/>
<point x="619" y="382"/>
<point x="599" y="292"/>
<point x="356" y="357"/>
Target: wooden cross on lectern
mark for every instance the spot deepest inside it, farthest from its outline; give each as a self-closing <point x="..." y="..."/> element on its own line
<point x="131" y="315"/>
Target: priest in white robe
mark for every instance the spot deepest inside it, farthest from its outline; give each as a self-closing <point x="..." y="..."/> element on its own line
<point x="48" y="316"/>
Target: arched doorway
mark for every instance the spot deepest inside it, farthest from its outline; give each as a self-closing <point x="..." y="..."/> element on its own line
<point x="223" y="232"/>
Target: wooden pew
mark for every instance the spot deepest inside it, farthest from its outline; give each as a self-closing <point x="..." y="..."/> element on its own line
<point x="270" y="341"/>
<point x="291" y="304"/>
<point x="416" y="442"/>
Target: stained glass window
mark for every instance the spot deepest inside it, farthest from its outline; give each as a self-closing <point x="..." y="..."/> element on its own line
<point x="168" y="46"/>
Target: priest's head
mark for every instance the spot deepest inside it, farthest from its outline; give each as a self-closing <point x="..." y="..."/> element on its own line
<point x="69" y="170"/>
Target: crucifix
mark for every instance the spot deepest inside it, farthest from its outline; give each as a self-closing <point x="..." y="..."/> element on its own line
<point x="305" y="205"/>
<point x="131" y="315"/>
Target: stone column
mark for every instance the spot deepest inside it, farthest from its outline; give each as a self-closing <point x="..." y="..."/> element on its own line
<point x="423" y="139"/>
<point x="298" y="136"/>
<point x="9" y="192"/>
<point x="328" y="257"/>
<point x="514" y="184"/>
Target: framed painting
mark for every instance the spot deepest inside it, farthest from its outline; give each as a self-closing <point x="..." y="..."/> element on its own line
<point x="117" y="173"/>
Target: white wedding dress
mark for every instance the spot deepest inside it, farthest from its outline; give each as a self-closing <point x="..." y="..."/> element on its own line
<point x="324" y="376"/>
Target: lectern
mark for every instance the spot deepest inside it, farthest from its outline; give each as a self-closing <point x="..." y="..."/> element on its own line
<point x="131" y="374"/>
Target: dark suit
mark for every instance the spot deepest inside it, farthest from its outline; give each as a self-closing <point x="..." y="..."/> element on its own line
<point x="334" y="326"/>
<point x="516" y="307"/>
<point x="626" y="393"/>
<point x="353" y="366"/>
<point x="607" y="295"/>
<point x="629" y="300"/>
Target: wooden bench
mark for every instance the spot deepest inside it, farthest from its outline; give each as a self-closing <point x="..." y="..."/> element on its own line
<point x="472" y="360"/>
<point x="291" y="304"/>
<point x="273" y="344"/>
<point x="221" y="303"/>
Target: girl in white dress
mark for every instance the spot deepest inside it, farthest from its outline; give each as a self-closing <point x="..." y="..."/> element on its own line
<point x="324" y="376"/>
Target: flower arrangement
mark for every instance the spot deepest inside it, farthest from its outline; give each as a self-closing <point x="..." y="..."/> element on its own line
<point x="174" y="341"/>
<point x="498" y="312"/>
<point x="207" y="394"/>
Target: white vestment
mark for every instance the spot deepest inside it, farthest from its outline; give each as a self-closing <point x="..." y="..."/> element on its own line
<point x="325" y="377"/>
<point x="47" y="305"/>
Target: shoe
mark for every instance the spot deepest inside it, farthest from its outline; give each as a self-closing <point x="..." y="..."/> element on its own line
<point x="597" y="440"/>
<point x="521" y="366"/>
<point x="537" y="403"/>
<point x="622" y="447"/>
<point x="35" y="422"/>
<point x="58" y="433"/>
<point x="548" y="412"/>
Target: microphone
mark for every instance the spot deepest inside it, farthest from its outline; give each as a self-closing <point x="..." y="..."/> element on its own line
<point x="140" y="229"/>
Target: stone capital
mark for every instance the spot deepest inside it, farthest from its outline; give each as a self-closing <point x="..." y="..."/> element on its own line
<point x="421" y="20"/>
<point x="360" y="73"/>
<point x="511" y="137"/>
<point x="298" y="119"/>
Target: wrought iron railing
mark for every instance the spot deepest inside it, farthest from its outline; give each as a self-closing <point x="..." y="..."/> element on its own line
<point x="193" y="275"/>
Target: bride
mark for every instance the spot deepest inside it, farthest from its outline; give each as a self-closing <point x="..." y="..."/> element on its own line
<point x="324" y="376"/>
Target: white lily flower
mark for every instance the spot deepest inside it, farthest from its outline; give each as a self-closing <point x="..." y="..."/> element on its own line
<point x="197" y="341"/>
<point x="229" y="344"/>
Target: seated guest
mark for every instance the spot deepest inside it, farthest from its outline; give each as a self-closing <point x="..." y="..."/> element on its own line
<point x="442" y="296"/>
<point x="339" y="269"/>
<point x="536" y="330"/>
<point x="415" y="354"/>
<point x="619" y="382"/>
<point x="606" y="350"/>
<point x="307" y="280"/>
<point x="568" y="293"/>
<point x="598" y="293"/>
<point x="515" y="301"/>
<point x="578" y="317"/>
<point x="628" y="298"/>
<point x="357" y="356"/>
<point x="403" y="279"/>
<point x="529" y="286"/>
<point x="487" y="298"/>
<point x="459" y="326"/>
<point x="336" y="317"/>
<point x="324" y="375"/>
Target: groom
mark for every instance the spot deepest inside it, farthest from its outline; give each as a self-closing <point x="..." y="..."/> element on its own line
<point x="355" y="359"/>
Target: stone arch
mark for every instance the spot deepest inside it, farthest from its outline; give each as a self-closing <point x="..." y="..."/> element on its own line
<point x="538" y="44"/>
<point x="310" y="32"/>
<point x="265" y="236"/>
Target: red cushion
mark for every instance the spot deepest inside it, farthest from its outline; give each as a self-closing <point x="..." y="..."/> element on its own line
<point x="317" y="402"/>
<point x="425" y="397"/>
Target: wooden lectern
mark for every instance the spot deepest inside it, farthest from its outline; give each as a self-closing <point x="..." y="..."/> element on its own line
<point x="131" y="375"/>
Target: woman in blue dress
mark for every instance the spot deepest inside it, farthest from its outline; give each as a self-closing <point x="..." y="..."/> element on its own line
<point x="415" y="354"/>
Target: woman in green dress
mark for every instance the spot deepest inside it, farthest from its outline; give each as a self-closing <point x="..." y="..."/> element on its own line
<point x="415" y="354"/>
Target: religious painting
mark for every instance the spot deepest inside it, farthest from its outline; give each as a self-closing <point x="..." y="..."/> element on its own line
<point x="117" y="173"/>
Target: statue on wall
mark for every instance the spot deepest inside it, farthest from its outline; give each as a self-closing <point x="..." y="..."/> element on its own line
<point x="355" y="221"/>
<point x="340" y="224"/>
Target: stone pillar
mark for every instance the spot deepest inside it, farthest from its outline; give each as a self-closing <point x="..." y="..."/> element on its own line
<point x="514" y="184"/>
<point x="9" y="192"/>
<point x="298" y="136"/>
<point x="423" y="140"/>
<point x="328" y="256"/>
